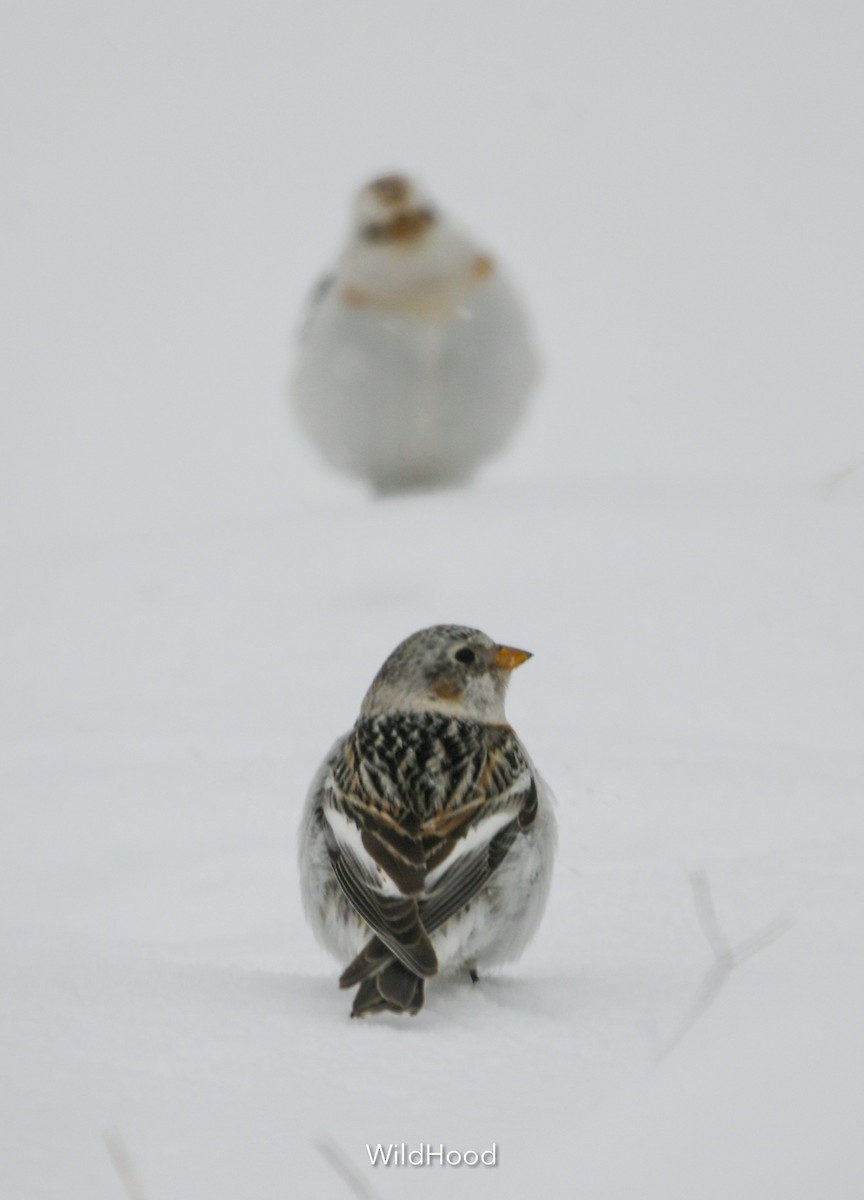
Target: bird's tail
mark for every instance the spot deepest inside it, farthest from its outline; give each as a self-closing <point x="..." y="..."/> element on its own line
<point x="391" y="989"/>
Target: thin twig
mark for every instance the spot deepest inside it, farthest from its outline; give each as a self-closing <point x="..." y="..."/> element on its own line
<point x="833" y="481"/>
<point x="123" y="1164"/>
<point x="707" y="916"/>
<point x="344" y="1168"/>
<point x="726" y="957"/>
<point x="759" y="941"/>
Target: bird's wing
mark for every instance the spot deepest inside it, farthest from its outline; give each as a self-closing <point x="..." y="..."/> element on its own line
<point x="474" y="858"/>
<point x="377" y="860"/>
<point x="406" y="876"/>
<point x="393" y="915"/>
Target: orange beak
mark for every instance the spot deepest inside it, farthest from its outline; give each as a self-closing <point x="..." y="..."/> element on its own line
<point x="508" y="658"/>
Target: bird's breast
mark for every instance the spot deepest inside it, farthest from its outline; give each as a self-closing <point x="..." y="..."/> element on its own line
<point x="423" y="299"/>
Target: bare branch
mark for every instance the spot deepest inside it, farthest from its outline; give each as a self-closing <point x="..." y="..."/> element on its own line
<point x="704" y="902"/>
<point x="344" y="1168"/>
<point x="708" y="991"/>
<point x="123" y="1164"/>
<point x="831" y="483"/>
<point x="759" y="941"/>
<point x="726" y="957"/>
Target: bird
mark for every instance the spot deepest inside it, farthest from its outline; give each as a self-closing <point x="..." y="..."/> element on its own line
<point x="428" y="837"/>
<point x="416" y="358"/>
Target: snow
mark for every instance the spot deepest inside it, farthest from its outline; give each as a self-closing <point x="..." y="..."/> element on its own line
<point x="194" y="606"/>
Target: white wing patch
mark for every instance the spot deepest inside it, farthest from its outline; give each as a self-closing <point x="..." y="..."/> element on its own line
<point x="478" y="835"/>
<point x="349" y="839"/>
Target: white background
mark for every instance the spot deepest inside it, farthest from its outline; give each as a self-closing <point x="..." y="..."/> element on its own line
<point x="193" y="605"/>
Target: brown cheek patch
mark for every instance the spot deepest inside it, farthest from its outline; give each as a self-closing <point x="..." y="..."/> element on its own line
<point x="446" y="689"/>
<point x="408" y="225"/>
<point x="355" y="296"/>
<point x="482" y="267"/>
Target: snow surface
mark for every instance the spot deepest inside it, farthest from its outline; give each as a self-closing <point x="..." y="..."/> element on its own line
<point x="193" y="606"/>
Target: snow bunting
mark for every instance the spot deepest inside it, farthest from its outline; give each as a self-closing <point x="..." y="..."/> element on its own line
<point x="416" y="360"/>
<point x="427" y="837"/>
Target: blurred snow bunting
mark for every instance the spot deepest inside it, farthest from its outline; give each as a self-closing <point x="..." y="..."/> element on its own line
<point x="428" y="837"/>
<point x="416" y="360"/>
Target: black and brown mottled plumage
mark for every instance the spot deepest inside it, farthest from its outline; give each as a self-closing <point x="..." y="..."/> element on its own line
<point x="413" y="816"/>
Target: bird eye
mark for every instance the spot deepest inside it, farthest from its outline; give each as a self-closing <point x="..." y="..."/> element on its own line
<point x="464" y="655"/>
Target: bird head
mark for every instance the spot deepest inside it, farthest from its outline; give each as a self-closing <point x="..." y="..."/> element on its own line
<point x="446" y="668"/>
